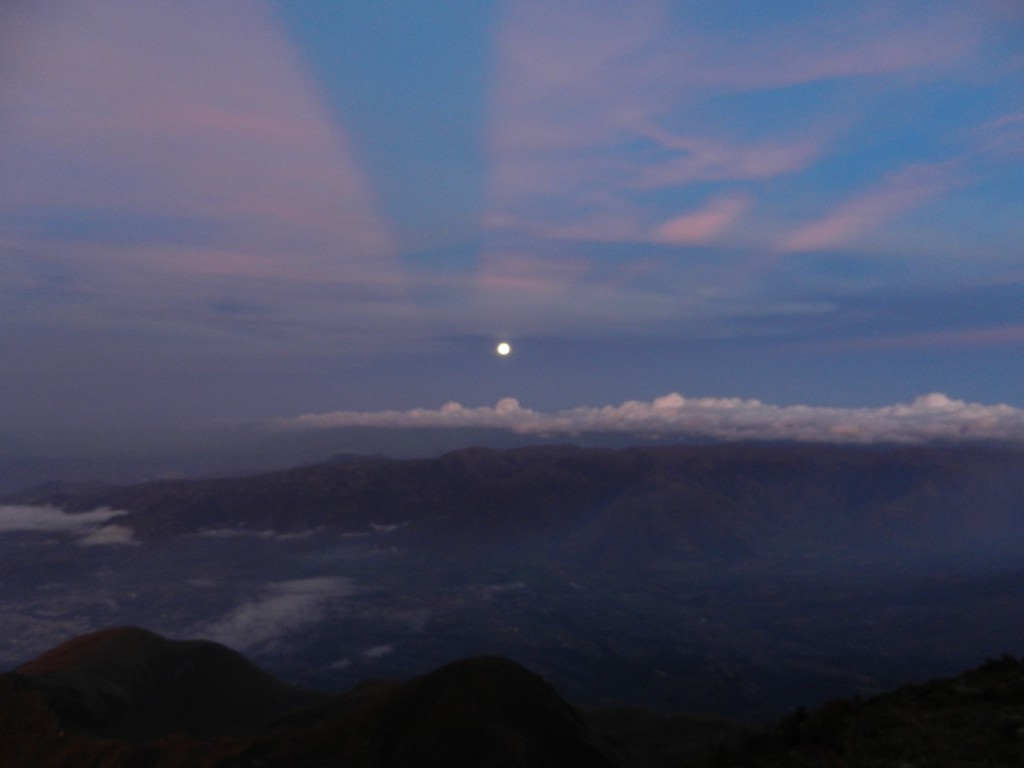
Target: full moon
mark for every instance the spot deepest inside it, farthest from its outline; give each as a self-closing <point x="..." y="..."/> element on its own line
<point x="503" y="348"/>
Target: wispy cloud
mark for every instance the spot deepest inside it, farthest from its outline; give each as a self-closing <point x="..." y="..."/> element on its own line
<point x="378" y="651"/>
<point x="51" y="519"/>
<point x="897" y="194"/>
<point x="964" y="337"/>
<point x="933" y="417"/>
<point x="867" y="40"/>
<point x="107" y="535"/>
<point x="283" y="608"/>
<point x="1004" y="136"/>
<point x="699" y="159"/>
<point x="702" y="225"/>
<point x="246" y="533"/>
<point x="527" y="273"/>
<point x="596" y="103"/>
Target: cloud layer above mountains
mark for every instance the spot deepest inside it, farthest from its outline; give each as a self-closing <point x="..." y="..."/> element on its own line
<point x="933" y="417"/>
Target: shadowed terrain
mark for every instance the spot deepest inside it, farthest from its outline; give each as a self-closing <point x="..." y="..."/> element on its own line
<point x="743" y="579"/>
<point x="136" y="685"/>
<point x="128" y="697"/>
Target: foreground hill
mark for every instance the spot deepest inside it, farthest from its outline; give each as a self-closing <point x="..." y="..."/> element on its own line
<point x="136" y="685"/>
<point x="127" y="697"/>
<point x="974" y="720"/>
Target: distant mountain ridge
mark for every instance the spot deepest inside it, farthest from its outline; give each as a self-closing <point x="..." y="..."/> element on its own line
<point x="720" y="492"/>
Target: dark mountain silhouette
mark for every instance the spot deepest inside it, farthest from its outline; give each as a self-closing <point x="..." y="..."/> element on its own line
<point x="973" y="719"/>
<point x="126" y="697"/>
<point x="113" y="699"/>
<point x="485" y="711"/>
<point x="129" y="683"/>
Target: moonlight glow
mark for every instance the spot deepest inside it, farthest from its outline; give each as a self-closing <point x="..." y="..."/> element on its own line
<point x="503" y="348"/>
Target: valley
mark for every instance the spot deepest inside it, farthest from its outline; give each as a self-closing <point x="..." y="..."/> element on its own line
<point x="740" y="580"/>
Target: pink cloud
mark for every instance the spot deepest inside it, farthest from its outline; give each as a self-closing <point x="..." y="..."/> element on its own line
<point x="189" y="109"/>
<point x="863" y="40"/>
<point x="714" y="160"/>
<point x="1004" y="136"/>
<point x="703" y="225"/>
<point x="590" y="104"/>
<point x="897" y="194"/>
<point x="1004" y="335"/>
<point x="575" y="75"/>
<point x="523" y="273"/>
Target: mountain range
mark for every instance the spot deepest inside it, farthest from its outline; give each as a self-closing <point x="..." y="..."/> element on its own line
<point x="717" y="499"/>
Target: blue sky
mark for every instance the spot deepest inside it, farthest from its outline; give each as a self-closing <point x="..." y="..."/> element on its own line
<point x="244" y="211"/>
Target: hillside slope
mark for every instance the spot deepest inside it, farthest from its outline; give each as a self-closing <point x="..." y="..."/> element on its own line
<point x="98" y="700"/>
<point x="125" y="696"/>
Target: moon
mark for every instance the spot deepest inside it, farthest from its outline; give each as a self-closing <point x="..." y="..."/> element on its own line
<point x="503" y="348"/>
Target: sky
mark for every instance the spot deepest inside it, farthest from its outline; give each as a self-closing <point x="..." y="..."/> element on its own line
<point x="723" y="216"/>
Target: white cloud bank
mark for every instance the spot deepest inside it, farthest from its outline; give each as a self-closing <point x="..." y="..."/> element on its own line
<point x="94" y="527"/>
<point x="933" y="417"/>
